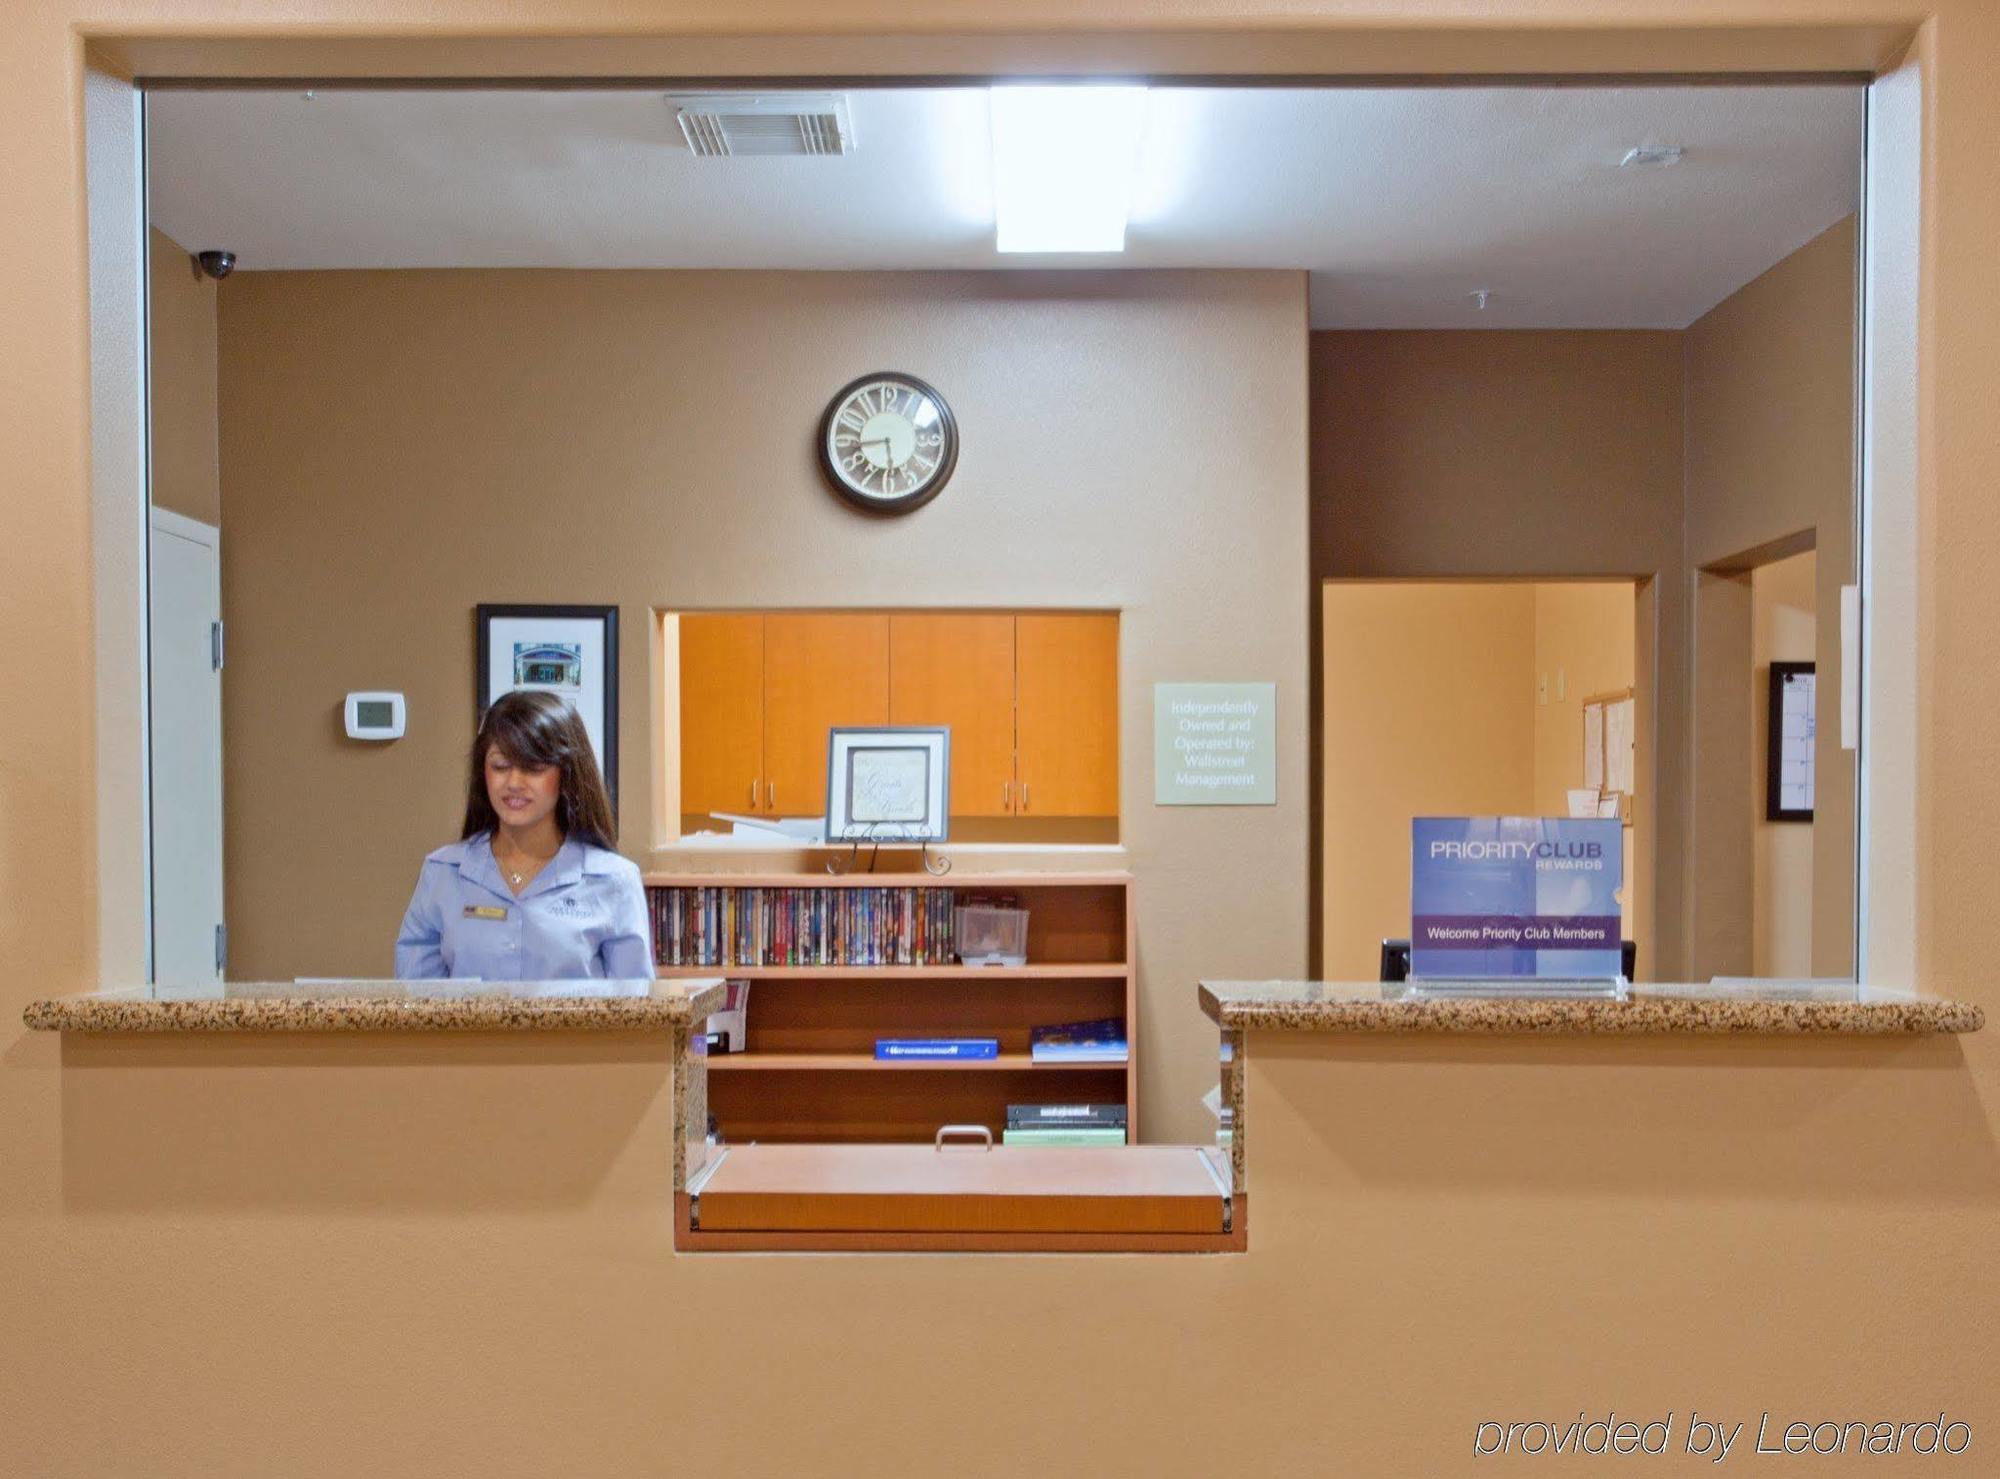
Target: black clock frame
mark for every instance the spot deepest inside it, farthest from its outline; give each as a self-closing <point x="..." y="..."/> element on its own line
<point x="947" y="423"/>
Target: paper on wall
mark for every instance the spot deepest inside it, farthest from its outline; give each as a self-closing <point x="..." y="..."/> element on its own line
<point x="1618" y="746"/>
<point x="1593" y="747"/>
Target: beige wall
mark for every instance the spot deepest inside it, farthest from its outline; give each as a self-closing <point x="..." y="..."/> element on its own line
<point x="1586" y="645"/>
<point x="181" y="343"/>
<point x="398" y="447"/>
<point x="1405" y="665"/>
<point x="1523" y="454"/>
<point x="1432" y="705"/>
<point x="1583" y="648"/>
<point x="392" y="1253"/>
<point x="1783" y="628"/>
<point x="1770" y="462"/>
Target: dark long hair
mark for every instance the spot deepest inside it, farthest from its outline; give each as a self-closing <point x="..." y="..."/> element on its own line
<point x="533" y="728"/>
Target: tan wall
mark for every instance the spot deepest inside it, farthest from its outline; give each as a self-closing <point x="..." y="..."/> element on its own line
<point x="1585" y="635"/>
<point x="1783" y="627"/>
<point x="399" y="1254"/>
<point x="1583" y="648"/>
<point x="1770" y="456"/>
<point x="182" y="382"/>
<point x="1431" y="707"/>
<point x="1524" y="454"/>
<point x="1405" y="665"/>
<point x="398" y="447"/>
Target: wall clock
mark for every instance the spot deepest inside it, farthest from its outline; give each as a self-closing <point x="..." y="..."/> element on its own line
<point x="887" y="442"/>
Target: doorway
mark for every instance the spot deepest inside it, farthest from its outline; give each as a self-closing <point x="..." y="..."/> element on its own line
<point x="1468" y="698"/>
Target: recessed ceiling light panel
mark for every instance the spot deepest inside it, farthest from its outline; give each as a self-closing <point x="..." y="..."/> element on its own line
<point x="1063" y="164"/>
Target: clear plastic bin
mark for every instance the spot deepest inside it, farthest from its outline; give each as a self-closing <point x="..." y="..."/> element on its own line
<point x="988" y="935"/>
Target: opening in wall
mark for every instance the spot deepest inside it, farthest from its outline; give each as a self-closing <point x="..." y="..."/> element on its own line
<point x="748" y="699"/>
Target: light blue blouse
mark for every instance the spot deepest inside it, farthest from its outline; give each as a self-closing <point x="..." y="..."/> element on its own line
<point x="583" y="916"/>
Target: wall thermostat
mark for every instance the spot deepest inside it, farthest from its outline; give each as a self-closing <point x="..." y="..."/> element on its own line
<point x="374" y="716"/>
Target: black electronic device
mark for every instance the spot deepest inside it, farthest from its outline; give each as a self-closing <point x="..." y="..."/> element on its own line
<point x="1395" y="961"/>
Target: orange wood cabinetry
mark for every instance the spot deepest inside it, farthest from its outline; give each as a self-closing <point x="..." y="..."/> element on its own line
<point x="822" y="670"/>
<point x="722" y="712"/>
<point x="1066" y="714"/>
<point x="1031" y="701"/>
<point x="959" y="670"/>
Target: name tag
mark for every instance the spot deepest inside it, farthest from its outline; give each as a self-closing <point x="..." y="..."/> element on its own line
<point x="485" y="911"/>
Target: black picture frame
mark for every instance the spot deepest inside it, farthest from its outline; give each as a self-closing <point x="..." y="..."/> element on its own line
<point x="1774" y="744"/>
<point x="483" y="617"/>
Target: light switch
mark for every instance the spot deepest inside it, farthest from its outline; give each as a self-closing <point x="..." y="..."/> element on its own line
<point x="1562" y="685"/>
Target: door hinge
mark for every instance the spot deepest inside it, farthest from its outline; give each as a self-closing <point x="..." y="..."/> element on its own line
<point x="221" y="949"/>
<point x="215" y="646"/>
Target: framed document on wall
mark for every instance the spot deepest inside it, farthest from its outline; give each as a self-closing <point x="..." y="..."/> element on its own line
<point x="1788" y="743"/>
<point x="571" y="651"/>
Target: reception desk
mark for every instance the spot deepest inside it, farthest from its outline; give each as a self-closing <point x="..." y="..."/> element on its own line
<point x="963" y="1193"/>
<point x="1452" y="1228"/>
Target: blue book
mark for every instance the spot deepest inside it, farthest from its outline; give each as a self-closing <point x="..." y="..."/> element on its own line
<point x="937" y="1048"/>
<point x="1099" y="1041"/>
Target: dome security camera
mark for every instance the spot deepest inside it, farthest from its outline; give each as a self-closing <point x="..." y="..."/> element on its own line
<point x="217" y="265"/>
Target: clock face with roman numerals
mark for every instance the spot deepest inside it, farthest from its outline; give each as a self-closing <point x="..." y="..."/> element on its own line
<point x="888" y="442"/>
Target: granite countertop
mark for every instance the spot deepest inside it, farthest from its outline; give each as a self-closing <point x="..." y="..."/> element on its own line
<point x="383" y="1006"/>
<point x="1774" y="1007"/>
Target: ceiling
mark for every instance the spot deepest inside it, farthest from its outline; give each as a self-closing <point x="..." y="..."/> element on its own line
<point x="1401" y="203"/>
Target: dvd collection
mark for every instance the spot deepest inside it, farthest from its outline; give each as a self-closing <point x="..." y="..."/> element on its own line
<point x="802" y="926"/>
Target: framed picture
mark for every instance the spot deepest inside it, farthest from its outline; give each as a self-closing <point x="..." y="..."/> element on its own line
<point x="1788" y="743"/>
<point x="888" y="785"/>
<point x="567" y="650"/>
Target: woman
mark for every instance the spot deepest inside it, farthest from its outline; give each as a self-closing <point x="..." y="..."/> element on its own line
<point x="533" y="890"/>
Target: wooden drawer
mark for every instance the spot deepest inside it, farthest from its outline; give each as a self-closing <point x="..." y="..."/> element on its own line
<point x="1137" y="1190"/>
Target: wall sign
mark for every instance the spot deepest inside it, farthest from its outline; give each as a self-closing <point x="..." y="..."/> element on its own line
<point x="1215" y="744"/>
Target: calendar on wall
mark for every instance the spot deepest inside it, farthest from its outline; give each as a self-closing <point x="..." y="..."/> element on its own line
<point x="1788" y="776"/>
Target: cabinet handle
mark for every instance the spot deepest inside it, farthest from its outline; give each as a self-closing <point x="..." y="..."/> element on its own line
<point x="753" y="793"/>
<point x="1024" y="795"/>
<point x="1006" y="795"/>
<point x="771" y="796"/>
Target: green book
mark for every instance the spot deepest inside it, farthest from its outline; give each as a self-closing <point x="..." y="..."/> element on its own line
<point x="1062" y="1135"/>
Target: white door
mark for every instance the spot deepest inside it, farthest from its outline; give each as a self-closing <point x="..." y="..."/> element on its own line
<point x="186" y="664"/>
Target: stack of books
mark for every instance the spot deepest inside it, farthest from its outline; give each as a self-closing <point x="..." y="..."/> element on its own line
<point x="1064" y="1124"/>
<point x="802" y="926"/>
<point x="1098" y="1041"/>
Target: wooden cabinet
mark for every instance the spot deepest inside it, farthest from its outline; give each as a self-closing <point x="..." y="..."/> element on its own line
<point x="958" y="669"/>
<point x="1031" y="700"/>
<point x="822" y="669"/>
<point x="1066" y="714"/>
<point x="722" y="713"/>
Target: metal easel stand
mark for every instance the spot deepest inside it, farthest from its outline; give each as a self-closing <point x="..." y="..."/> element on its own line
<point x="935" y="864"/>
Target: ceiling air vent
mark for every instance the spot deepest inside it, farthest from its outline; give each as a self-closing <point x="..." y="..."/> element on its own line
<point x="722" y="124"/>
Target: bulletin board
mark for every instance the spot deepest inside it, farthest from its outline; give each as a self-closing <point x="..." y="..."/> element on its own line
<point x="1610" y="746"/>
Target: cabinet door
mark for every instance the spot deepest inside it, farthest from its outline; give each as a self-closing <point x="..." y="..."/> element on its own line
<point x="722" y="713"/>
<point x="821" y="669"/>
<point x="959" y="670"/>
<point x="1066" y="714"/>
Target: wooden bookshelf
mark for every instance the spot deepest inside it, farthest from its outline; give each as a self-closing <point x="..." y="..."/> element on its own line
<point x="809" y="1072"/>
